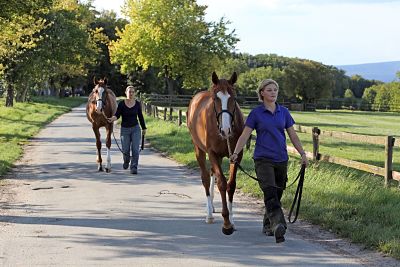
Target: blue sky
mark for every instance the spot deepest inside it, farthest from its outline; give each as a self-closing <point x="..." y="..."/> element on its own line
<point x="336" y="32"/>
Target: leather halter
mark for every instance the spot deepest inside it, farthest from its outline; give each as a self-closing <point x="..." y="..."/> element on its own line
<point x="219" y="114"/>
<point x="102" y="98"/>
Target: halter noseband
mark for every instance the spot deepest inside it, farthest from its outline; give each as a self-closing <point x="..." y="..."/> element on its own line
<point x="219" y="114"/>
<point x="101" y="97"/>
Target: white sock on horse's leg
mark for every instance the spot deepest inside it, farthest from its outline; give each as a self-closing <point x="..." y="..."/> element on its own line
<point x="230" y="209"/>
<point x="212" y="187"/>
<point x="209" y="210"/>
<point x="108" y="166"/>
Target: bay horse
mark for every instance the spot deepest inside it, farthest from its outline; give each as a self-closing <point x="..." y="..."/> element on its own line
<point x="215" y="123"/>
<point x="102" y="104"/>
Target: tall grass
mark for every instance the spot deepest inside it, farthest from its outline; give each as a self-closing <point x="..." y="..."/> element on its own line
<point x="24" y="120"/>
<point x="350" y="203"/>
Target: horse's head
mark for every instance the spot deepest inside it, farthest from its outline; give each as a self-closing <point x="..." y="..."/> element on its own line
<point x="99" y="93"/>
<point x="224" y="99"/>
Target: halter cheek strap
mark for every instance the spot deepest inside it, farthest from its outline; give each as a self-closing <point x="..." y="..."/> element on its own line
<point x="219" y="114"/>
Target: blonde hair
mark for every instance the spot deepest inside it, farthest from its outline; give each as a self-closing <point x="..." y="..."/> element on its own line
<point x="262" y="86"/>
<point x="129" y="88"/>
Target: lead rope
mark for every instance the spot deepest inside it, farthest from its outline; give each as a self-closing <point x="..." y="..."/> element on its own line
<point x="229" y="147"/>
<point x="297" y="196"/>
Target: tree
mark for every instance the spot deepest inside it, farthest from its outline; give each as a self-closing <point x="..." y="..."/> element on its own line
<point x="249" y="81"/>
<point x="172" y="35"/>
<point x="308" y="80"/>
<point x="348" y="93"/>
<point x="108" y="22"/>
<point x="20" y="25"/>
<point x="71" y="46"/>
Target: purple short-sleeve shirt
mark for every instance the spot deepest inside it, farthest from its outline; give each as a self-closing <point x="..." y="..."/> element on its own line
<point x="270" y="129"/>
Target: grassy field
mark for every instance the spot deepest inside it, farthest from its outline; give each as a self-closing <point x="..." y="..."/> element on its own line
<point x="350" y="203"/>
<point x="24" y="120"/>
<point x="357" y="122"/>
<point x="365" y="123"/>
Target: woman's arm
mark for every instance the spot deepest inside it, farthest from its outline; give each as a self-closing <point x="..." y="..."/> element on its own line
<point x="116" y="115"/>
<point x="297" y="144"/>
<point x="241" y="143"/>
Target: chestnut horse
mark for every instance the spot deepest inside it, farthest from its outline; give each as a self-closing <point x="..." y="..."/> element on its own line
<point x="215" y="123"/>
<point x="101" y="105"/>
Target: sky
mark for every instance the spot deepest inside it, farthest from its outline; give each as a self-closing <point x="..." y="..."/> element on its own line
<point x="333" y="32"/>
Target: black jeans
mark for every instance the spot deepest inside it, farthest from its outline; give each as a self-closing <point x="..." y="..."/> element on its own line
<point x="272" y="178"/>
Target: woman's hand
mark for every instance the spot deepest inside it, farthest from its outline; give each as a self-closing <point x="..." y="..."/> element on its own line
<point x="113" y="118"/>
<point x="144" y="132"/>
<point x="233" y="157"/>
<point x="304" y="160"/>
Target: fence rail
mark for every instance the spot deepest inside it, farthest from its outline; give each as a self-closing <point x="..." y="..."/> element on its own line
<point x="388" y="141"/>
<point x="252" y="101"/>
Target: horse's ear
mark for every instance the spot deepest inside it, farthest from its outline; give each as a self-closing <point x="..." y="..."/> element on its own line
<point x="105" y="80"/>
<point x="233" y="78"/>
<point x="215" y="79"/>
<point x="94" y="80"/>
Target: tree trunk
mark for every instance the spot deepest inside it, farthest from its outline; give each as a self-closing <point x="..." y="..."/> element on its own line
<point x="10" y="96"/>
<point x="169" y="82"/>
<point x="53" y="90"/>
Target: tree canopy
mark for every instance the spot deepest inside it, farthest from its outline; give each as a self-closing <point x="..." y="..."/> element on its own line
<point x="173" y="36"/>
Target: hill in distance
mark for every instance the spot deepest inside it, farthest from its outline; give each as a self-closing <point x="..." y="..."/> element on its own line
<point x="382" y="71"/>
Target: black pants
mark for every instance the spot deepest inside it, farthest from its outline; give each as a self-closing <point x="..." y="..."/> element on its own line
<point x="272" y="181"/>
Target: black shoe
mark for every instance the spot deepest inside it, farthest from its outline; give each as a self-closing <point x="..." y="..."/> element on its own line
<point x="279" y="233"/>
<point x="267" y="230"/>
<point x="133" y="171"/>
<point x="125" y="165"/>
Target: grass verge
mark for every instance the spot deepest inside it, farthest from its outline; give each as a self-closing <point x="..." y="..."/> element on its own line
<point x="22" y="121"/>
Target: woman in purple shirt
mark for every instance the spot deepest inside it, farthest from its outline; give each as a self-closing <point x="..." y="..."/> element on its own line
<point x="270" y="120"/>
<point x="131" y="112"/>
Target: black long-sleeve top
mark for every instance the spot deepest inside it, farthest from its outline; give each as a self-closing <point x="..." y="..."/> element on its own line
<point x="131" y="115"/>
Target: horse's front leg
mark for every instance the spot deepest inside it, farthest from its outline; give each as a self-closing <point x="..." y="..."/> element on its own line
<point x="231" y="187"/>
<point x="98" y="145"/>
<point x="205" y="179"/>
<point x="109" y="130"/>
<point x="215" y="161"/>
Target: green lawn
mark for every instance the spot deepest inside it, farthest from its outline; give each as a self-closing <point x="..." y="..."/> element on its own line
<point x="24" y="120"/>
<point x="357" y="122"/>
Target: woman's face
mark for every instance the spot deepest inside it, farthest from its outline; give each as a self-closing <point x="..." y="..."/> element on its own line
<point x="270" y="93"/>
<point x="130" y="93"/>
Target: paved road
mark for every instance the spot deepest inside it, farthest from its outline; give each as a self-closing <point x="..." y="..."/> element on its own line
<point x="59" y="211"/>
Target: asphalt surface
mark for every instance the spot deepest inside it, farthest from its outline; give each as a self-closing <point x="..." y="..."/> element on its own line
<point x="57" y="210"/>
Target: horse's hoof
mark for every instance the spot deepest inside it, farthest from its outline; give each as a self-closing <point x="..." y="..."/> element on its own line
<point x="108" y="170"/>
<point x="228" y="231"/>
<point x="100" y="169"/>
<point x="209" y="220"/>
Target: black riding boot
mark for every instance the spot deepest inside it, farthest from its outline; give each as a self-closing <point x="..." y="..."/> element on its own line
<point x="267" y="226"/>
<point x="278" y="224"/>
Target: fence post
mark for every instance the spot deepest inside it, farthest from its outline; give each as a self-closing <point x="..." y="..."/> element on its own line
<point x="149" y="109"/>
<point x="315" y="138"/>
<point x="156" y="112"/>
<point x="165" y="114"/>
<point x="388" y="159"/>
<point x="179" y="117"/>
<point x="170" y="113"/>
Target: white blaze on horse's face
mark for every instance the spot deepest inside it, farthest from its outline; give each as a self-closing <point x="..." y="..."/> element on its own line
<point x="225" y="127"/>
<point x="99" y="100"/>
